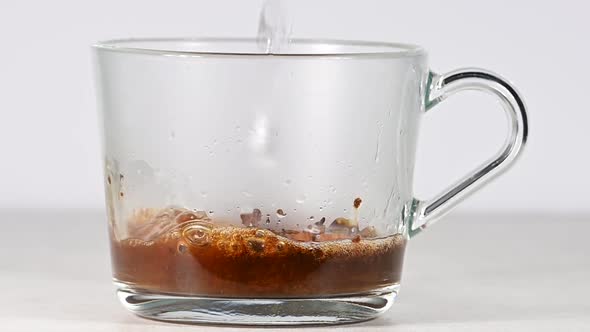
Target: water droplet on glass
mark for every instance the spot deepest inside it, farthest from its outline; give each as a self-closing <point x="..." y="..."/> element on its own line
<point x="260" y="233"/>
<point x="211" y="212"/>
<point x="203" y="194"/>
<point x="321" y="208"/>
<point x="274" y="26"/>
<point x="251" y="218"/>
<point x="246" y="194"/>
<point x="172" y="135"/>
<point x="316" y="228"/>
<point x="238" y="128"/>
<point x="378" y="146"/>
<point x="181" y="248"/>
<point x="287" y="182"/>
<point x="332" y="189"/>
<point x="300" y="199"/>
<point x="310" y="219"/>
<point x="345" y="210"/>
<point x="281" y="213"/>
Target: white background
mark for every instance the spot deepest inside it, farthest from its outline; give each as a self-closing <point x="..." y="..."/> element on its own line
<point x="49" y="144"/>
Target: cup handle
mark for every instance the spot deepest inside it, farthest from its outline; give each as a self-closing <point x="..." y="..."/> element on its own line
<point x="439" y="87"/>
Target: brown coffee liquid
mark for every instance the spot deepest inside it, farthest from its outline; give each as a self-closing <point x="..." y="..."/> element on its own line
<point x="186" y="253"/>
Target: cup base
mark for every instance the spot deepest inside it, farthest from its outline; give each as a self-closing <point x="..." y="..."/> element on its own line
<point x="245" y="311"/>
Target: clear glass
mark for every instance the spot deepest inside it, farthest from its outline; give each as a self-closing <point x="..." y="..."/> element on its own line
<point x="270" y="189"/>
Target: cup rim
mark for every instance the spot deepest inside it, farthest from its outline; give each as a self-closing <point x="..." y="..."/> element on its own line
<point x="366" y="48"/>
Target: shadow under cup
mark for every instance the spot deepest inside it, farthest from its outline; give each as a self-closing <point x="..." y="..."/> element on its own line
<point x="252" y="188"/>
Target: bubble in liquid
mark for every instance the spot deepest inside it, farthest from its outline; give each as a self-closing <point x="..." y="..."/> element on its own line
<point x="196" y="234"/>
<point x="256" y="245"/>
<point x="191" y="216"/>
<point x="181" y="247"/>
<point x="260" y="233"/>
<point x="211" y="212"/>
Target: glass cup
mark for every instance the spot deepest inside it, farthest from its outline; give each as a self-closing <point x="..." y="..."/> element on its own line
<point x="253" y="188"/>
